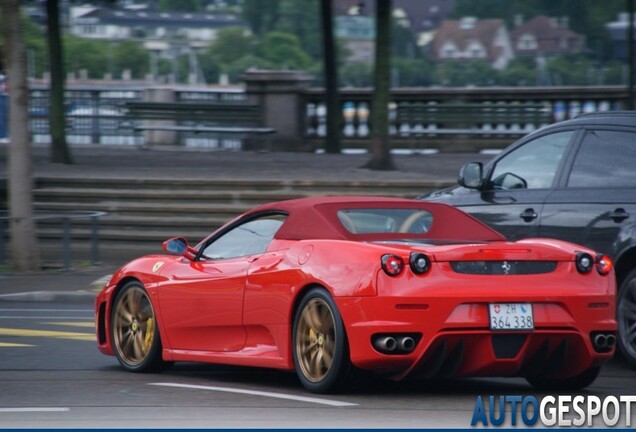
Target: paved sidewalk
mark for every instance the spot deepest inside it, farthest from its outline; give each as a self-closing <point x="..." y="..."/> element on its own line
<point x="180" y="163"/>
<point x="125" y="162"/>
<point x="75" y="286"/>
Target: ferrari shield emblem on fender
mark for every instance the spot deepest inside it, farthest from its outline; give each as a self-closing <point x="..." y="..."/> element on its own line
<point x="157" y="266"/>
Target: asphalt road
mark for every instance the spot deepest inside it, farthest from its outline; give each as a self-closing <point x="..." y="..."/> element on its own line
<point x="52" y="376"/>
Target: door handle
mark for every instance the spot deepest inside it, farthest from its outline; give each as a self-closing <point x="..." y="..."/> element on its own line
<point x="528" y="215"/>
<point x="619" y="215"/>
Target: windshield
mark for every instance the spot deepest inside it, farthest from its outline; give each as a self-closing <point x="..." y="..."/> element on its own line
<point x="385" y="220"/>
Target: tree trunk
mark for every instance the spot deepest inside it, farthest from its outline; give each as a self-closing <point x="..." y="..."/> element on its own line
<point x="60" y="152"/>
<point x="334" y="113"/>
<point x="24" y="246"/>
<point x="380" y="140"/>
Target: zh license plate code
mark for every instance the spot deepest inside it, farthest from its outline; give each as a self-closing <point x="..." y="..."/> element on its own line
<point x="511" y="316"/>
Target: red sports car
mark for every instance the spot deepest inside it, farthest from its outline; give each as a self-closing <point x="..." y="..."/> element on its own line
<point x="332" y="287"/>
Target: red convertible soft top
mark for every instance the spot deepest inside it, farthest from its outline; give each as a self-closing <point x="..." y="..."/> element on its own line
<point x="317" y="218"/>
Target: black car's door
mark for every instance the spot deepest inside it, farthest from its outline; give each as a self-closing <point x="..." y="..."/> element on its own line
<point x="518" y="184"/>
<point x="596" y="200"/>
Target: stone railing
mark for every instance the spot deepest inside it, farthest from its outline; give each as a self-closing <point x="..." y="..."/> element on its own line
<point x="297" y="112"/>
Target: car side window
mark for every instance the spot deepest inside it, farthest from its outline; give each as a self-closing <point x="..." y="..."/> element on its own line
<point x="605" y="159"/>
<point x="533" y="165"/>
<point x="251" y="238"/>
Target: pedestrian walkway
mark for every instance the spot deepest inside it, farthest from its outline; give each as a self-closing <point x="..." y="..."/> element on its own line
<point x="180" y="163"/>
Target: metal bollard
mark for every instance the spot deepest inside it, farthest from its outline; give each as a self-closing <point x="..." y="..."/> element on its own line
<point x="94" y="240"/>
<point x="2" y="242"/>
<point x="66" y="243"/>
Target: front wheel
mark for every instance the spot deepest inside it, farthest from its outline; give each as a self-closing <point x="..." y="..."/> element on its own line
<point x="320" y="348"/>
<point x="135" y="334"/>
<point x="626" y="317"/>
<point x="576" y="382"/>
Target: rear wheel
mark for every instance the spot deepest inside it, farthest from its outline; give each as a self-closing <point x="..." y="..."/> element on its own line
<point x="135" y="334"/>
<point x="576" y="382"/>
<point x="320" y="348"/>
<point x="626" y="317"/>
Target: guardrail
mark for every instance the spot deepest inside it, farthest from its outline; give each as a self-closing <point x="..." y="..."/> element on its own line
<point x="66" y="217"/>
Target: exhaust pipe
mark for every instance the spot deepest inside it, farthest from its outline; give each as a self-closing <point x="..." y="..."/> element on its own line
<point x="600" y="342"/>
<point x="610" y="341"/>
<point x="386" y="343"/>
<point x="407" y="344"/>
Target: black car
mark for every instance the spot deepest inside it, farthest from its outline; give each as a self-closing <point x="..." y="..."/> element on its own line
<point x="575" y="181"/>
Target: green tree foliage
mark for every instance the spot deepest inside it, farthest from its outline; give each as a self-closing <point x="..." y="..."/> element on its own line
<point x="302" y="19"/>
<point x="261" y="15"/>
<point x="231" y="44"/>
<point x="88" y="54"/>
<point x="413" y="72"/>
<point x="356" y="74"/>
<point x="520" y="72"/>
<point x="99" y="57"/>
<point x="181" y="5"/>
<point x="284" y="50"/>
<point x="465" y="73"/>
<point x="132" y="56"/>
<point x="570" y="70"/>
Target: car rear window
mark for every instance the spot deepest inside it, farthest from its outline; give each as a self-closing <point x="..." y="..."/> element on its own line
<point x="385" y="220"/>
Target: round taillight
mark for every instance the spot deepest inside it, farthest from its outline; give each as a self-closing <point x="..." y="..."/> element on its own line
<point x="392" y="264"/>
<point x="584" y="262"/>
<point x="419" y="262"/>
<point x="604" y="264"/>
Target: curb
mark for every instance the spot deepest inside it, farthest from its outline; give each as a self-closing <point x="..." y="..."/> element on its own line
<point x="84" y="296"/>
<point x="80" y="296"/>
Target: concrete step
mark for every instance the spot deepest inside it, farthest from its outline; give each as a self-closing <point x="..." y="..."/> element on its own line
<point x="416" y="187"/>
<point x="167" y="196"/>
<point x="145" y="222"/>
<point x="149" y="209"/>
<point x="142" y="213"/>
<point x="123" y="234"/>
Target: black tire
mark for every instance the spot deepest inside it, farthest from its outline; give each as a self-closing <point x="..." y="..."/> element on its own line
<point x="576" y="382"/>
<point x="626" y="317"/>
<point x="319" y="344"/>
<point x="134" y="331"/>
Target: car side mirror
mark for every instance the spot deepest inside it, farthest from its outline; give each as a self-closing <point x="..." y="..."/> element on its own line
<point x="471" y="175"/>
<point x="179" y="246"/>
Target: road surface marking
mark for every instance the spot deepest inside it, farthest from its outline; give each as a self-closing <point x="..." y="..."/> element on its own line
<point x="33" y="409"/>
<point x="47" y="334"/>
<point x="13" y="345"/>
<point x="259" y="393"/>
<point x="85" y="324"/>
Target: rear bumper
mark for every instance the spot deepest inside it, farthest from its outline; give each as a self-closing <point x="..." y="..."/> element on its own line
<point x="456" y="339"/>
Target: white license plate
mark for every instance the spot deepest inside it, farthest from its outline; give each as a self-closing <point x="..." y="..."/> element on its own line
<point x="511" y="316"/>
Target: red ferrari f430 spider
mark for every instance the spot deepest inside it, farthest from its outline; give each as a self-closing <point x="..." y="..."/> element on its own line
<point x="335" y="287"/>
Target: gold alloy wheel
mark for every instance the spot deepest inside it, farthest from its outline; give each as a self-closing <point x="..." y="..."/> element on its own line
<point x="134" y="326"/>
<point x="315" y="339"/>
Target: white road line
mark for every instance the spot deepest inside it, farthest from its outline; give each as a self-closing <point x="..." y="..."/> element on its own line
<point x="33" y="409"/>
<point x="259" y="393"/>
